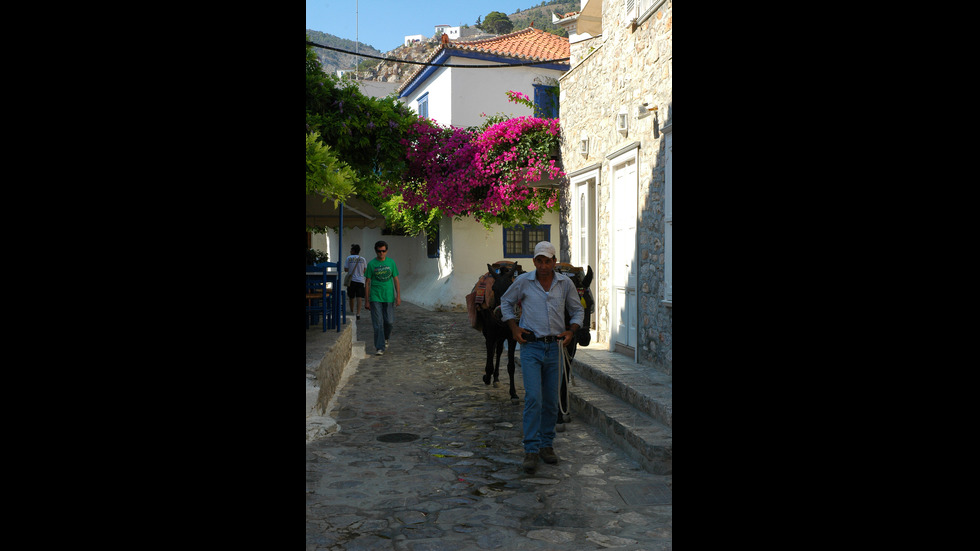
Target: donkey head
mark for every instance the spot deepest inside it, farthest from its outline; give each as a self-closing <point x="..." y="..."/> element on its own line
<point x="588" y="302"/>
<point x="503" y="276"/>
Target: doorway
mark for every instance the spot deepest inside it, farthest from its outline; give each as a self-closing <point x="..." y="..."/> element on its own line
<point x="623" y="270"/>
<point x="583" y="229"/>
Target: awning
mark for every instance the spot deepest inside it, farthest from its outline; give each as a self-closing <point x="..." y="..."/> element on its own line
<point x="590" y="20"/>
<point x="357" y="213"/>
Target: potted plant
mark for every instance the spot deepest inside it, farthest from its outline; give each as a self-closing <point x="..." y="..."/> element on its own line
<point x="314" y="257"/>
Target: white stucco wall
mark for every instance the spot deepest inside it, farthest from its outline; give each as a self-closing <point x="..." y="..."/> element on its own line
<point x="459" y="97"/>
<point x="473" y="95"/>
<point x="473" y="247"/>
<point x="466" y="248"/>
<point x="438" y="86"/>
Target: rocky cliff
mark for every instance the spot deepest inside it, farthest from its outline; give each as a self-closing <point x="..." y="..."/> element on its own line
<point x="390" y="71"/>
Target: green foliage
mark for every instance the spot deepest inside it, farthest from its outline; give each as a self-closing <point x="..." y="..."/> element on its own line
<point x="360" y="136"/>
<point x="408" y="220"/>
<point x="314" y="256"/>
<point x="497" y="22"/>
<point x="368" y="65"/>
<point x="325" y="172"/>
<point x="363" y="131"/>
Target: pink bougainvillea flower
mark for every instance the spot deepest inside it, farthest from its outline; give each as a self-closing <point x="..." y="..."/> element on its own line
<point x="464" y="172"/>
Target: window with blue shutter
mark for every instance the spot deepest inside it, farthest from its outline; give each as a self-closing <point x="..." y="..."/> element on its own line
<point x="545" y="101"/>
<point x="424" y="106"/>
<point x="519" y="241"/>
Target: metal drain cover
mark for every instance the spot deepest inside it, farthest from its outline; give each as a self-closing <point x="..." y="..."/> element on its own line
<point x="646" y="494"/>
<point x="398" y="437"/>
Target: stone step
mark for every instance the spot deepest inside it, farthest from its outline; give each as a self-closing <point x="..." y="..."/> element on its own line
<point x="641" y="437"/>
<point x="644" y="388"/>
<point x="630" y="404"/>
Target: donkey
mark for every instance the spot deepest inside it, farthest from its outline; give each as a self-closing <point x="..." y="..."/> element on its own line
<point x="582" y="336"/>
<point x="495" y="332"/>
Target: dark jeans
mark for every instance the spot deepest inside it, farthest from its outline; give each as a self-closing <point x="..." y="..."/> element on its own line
<point x="382" y="318"/>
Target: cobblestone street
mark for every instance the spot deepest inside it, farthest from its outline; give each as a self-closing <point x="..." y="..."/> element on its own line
<point x="425" y="456"/>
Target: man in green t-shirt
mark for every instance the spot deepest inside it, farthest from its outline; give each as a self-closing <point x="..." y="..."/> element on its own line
<point x="382" y="293"/>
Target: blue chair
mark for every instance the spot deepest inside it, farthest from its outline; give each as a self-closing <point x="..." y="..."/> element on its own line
<point x="336" y="311"/>
<point x="317" y="295"/>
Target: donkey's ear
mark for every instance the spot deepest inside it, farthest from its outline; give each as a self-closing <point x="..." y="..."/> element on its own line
<point x="588" y="278"/>
<point x="491" y="270"/>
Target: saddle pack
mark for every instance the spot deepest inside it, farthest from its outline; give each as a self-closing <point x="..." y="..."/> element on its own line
<point x="482" y="297"/>
<point x="577" y="275"/>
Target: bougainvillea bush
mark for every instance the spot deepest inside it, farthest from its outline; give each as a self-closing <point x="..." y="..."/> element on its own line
<point x="483" y="172"/>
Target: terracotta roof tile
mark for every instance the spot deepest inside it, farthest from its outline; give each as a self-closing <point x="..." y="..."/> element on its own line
<point x="528" y="44"/>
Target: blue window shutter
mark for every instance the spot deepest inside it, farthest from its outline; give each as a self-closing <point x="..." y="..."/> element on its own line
<point x="545" y="101"/>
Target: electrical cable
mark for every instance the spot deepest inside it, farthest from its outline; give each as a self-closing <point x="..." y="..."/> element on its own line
<point x="452" y="65"/>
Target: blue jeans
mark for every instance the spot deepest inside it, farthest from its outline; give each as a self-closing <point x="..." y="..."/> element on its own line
<point x="539" y="368"/>
<point x="382" y="319"/>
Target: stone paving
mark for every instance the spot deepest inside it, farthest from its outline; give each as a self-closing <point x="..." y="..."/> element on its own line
<point x="426" y="457"/>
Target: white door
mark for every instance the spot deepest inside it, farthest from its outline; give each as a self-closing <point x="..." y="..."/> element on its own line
<point x="624" y="254"/>
<point x="583" y="230"/>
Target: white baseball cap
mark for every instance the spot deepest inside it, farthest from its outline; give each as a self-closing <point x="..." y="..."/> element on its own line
<point x="545" y="248"/>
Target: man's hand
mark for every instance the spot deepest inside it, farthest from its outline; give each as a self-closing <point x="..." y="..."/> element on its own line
<point x="568" y="335"/>
<point x="516" y="331"/>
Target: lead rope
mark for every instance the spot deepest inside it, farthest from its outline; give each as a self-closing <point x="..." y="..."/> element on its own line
<point x="566" y="372"/>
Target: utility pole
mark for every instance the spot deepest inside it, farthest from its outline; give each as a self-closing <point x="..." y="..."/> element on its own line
<point x="356" y="39"/>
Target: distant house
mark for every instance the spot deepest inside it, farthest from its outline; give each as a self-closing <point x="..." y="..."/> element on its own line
<point x="451" y="32"/>
<point x="616" y="115"/>
<point x="454" y="96"/>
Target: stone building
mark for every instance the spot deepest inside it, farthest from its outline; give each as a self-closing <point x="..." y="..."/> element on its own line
<point x="615" y="109"/>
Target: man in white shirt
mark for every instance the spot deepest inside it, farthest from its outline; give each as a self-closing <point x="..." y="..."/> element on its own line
<point x="545" y="295"/>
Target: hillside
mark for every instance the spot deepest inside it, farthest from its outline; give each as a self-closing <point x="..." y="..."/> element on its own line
<point x="331" y="60"/>
<point x="385" y="71"/>
<point x="541" y="16"/>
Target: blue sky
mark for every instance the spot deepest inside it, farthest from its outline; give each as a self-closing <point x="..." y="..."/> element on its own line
<point x="384" y="24"/>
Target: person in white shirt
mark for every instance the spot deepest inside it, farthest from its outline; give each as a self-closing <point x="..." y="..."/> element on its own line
<point x="545" y="295"/>
<point x="355" y="264"/>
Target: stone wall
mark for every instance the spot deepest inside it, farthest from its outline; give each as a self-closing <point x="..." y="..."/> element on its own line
<point x="624" y="67"/>
<point x="331" y="368"/>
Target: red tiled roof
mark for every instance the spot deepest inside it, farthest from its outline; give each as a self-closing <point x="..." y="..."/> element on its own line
<point x="530" y="44"/>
